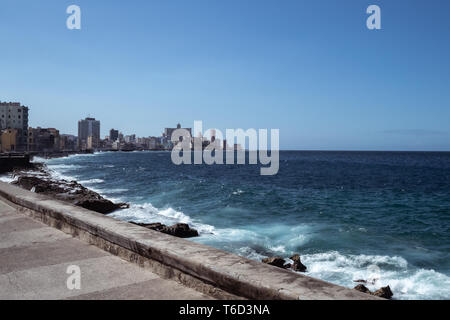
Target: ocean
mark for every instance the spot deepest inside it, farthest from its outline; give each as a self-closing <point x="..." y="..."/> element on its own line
<point x="350" y="215"/>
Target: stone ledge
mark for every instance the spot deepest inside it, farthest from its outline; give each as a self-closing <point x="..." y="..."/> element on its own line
<point x="228" y="272"/>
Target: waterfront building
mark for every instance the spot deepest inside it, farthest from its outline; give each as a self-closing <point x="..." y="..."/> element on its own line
<point x="113" y="135"/>
<point x="115" y="145"/>
<point x="149" y="143"/>
<point x="68" y="142"/>
<point x="15" y="116"/>
<point x="43" y="139"/>
<point x="152" y="143"/>
<point x="8" y="140"/>
<point x="130" y="139"/>
<point x="88" y="127"/>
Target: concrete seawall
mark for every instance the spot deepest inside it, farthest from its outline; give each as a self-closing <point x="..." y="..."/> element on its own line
<point x="206" y="269"/>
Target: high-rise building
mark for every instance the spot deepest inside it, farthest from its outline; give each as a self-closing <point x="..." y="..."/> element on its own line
<point x="88" y="127"/>
<point x="15" y="116"/>
<point x="113" y="135"/>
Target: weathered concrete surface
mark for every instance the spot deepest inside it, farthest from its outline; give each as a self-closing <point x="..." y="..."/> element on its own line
<point x="34" y="260"/>
<point x="203" y="267"/>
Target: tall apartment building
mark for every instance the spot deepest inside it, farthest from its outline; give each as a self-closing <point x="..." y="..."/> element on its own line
<point x="15" y="116"/>
<point x="113" y="135"/>
<point x="88" y="134"/>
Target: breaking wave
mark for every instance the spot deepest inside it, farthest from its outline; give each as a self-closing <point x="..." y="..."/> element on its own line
<point x="406" y="282"/>
<point x="147" y="213"/>
<point x="91" y="181"/>
<point x="8" y="178"/>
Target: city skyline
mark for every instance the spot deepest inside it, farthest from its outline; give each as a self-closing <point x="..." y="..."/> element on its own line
<point x="83" y="142"/>
<point x="315" y="72"/>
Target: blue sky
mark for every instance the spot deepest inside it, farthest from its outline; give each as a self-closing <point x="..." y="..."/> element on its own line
<point x="309" y="68"/>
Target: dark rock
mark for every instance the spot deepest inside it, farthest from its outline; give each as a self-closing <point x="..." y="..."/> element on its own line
<point x="98" y="205"/>
<point x="362" y="288"/>
<point x="154" y="226"/>
<point x="180" y="230"/>
<point x="287" y="266"/>
<point x="384" y="292"/>
<point x="297" y="265"/>
<point x="40" y="181"/>
<point x="38" y="185"/>
<point x="275" y="261"/>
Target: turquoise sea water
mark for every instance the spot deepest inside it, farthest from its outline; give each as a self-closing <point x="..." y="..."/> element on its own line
<point x="351" y="215"/>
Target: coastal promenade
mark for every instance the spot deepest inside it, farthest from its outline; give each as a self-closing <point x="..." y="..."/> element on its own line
<point x="34" y="259"/>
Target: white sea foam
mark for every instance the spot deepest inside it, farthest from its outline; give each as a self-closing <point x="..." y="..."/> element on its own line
<point x="250" y="253"/>
<point x="59" y="175"/>
<point x="63" y="167"/>
<point x="39" y="160"/>
<point x="279" y="248"/>
<point x="228" y="235"/>
<point x="118" y="190"/>
<point x="405" y="282"/>
<point x="59" y="171"/>
<point x="91" y="181"/>
<point x="147" y="213"/>
<point x="8" y="178"/>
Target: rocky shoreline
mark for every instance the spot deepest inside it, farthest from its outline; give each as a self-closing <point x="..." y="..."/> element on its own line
<point x="38" y="179"/>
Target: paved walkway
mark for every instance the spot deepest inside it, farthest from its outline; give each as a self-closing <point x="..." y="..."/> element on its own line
<point x="34" y="259"/>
